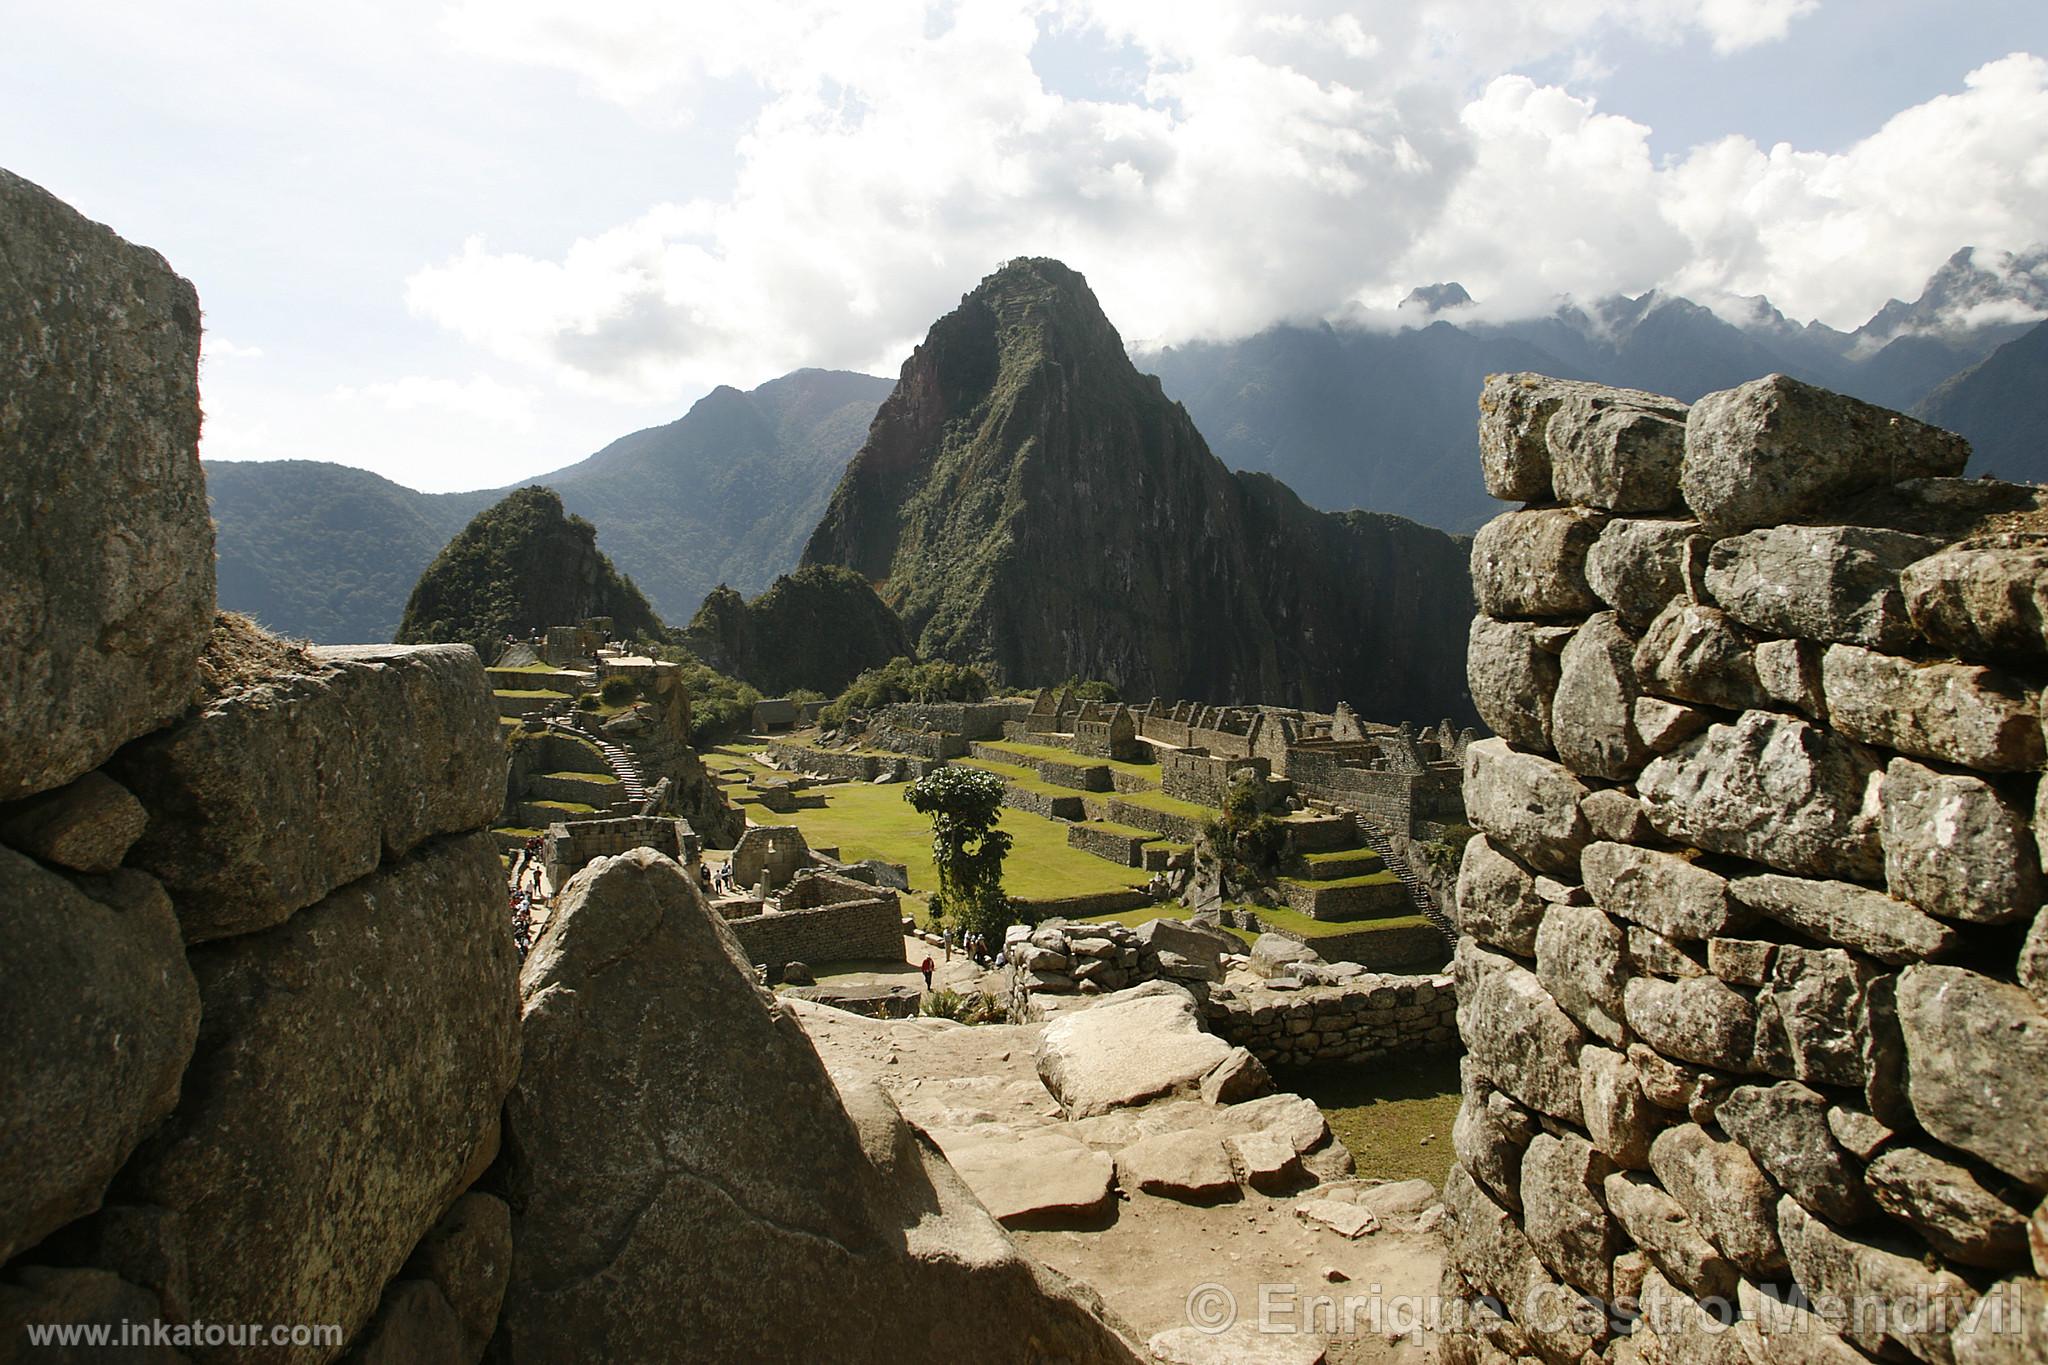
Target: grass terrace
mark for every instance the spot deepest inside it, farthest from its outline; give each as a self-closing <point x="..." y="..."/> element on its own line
<point x="1052" y="753"/>
<point x="1131" y="919"/>
<point x="1394" y="1115"/>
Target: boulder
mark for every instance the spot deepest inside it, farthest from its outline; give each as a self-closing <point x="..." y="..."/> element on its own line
<point x="1523" y="1043"/>
<point x="1237" y="1343"/>
<point x="1532" y="564"/>
<point x="1201" y="943"/>
<point x="107" y="584"/>
<point x="39" y="1296"/>
<point x="1977" y="1066"/>
<point x="1949" y="1206"/>
<point x="1955" y="846"/>
<point x="98" y="1013"/>
<point x="1664" y="725"/>
<point x="1265" y="1161"/>
<point x="1276" y="954"/>
<point x="1564" y="1214"/>
<point x="1903" y="1301"/>
<point x="2032" y="969"/>
<point x="1619" y="1118"/>
<point x="1527" y="806"/>
<point x="1785" y="1127"/>
<point x="1661" y="891"/>
<point x="1695" y="653"/>
<point x="1954" y="713"/>
<point x="1841" y="912"/>
<point x="678" y="1158"/>
<point x="1724" y="1193"/>
<point x="1037" y="1180"/>
<point x="282" y="787"/>
<point x="1582" y="960"/>
<point x="1773" y="789"/>
<point x="1489" y="1250"/>
<point x="1640" y="567"/>
<point x="1591" y="726"/>
<point x="467" y="1255"/>
<point x="1836" y="584"/>
<point x="1132" y="1047"/>
<point x="1239" y="1076"/>
<point x="1655" y="955"/>
<point x="87" y="825"/>
<point x="1775" y="450"/>
<point x="1983" y="597"/>
<point x="1613" y="815"/>
<point x="1739" y="961"/>
<point x="1190" y="1166"/>
<point x="1496" y="899"/>
<point x="383" y="1022"/>
<point x="413" y="1325"/>
<point x="1699" y="1019"/>
<point x="1659" y="1225"/>
<point x="1616" y="449"/>
<point x="1514" y="434"/>
<point x="1511" y="668"/>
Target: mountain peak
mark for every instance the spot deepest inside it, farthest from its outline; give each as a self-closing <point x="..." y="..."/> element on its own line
<point x="1436" y="298"/>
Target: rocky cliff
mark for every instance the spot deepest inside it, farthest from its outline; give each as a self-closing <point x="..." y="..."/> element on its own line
<point x="1028" y="501"/>
<point x="521" y="565"/>
<point x="1753" y="973"/>
<point x="817" y="628"/>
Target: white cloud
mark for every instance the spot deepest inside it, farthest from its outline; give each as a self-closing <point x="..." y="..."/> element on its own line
<point x="217" y="347"/>
<point x="1273" y="165"/>
<point x="478" y="398"/>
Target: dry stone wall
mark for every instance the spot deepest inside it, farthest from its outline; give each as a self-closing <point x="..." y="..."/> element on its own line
<point x="1368" y="1017"/>
<point x="1753" y="969"/>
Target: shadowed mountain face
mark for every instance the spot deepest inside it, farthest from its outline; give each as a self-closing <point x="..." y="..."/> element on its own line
<point x="815" y="629"/>
<point x="1028" y="501"/>
<point x="521" y="565"/>
<point x="724" y="494"/>
<point x="2001" y="404"/>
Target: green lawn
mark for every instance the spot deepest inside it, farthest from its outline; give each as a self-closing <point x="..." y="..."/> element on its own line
<point x="584" y="776"/>
<point x="1127" y="831"/>
<point x="1293" y="921"/>
<point x="1147" y="771"/>
<point x="1395" y="1115"/>
<point x="531" y="694"/>
<point x="1170" y="805"/>
<point x="1340" y="855"/>
<point x="567" y="807"/>
<point x="1025" y="778"/>
<point x="868" y="821"/>
<point x="1379" y="878"/>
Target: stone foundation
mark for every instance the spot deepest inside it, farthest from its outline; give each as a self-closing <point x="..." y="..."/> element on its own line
<point x="1365" y="1019"/>
<point x="865" y="930"/>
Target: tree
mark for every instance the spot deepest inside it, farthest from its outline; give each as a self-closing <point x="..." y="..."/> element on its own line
<point x="967" y="848"/>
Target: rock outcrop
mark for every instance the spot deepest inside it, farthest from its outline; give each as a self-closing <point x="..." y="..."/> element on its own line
<point x="1749" y="982"/>
<point x="687" y="1184"/>
<point x="1019" y="431"/>
<point x="817" y="628"/>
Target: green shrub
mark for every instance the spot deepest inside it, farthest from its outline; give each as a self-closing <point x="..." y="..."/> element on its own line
<point x="587" y="701"/>
<point x="618" y="691"/>
<point x="981" y="1008"/>
<point x="902" y="680"/>
<point x="965" y="805"/>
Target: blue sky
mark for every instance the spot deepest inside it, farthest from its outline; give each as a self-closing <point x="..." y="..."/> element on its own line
<point x="461" y="243"/>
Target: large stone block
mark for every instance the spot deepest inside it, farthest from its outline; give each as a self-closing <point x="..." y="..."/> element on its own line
<point x="2009" y="1325"/>
<point x="1582" y="960"/>
<point x="1955" y="846"/>
<point x="1591" y="724"/>
<point x="1948" y="1205"/>
<point x="1496" y="899"/>
<point x="1660" y="1226"/>
<point x="1533" y="563"/>
<point x="1523" y="1043"/>
<point x="1814" y="1016"/>
<point x="1838" y="584"/>
<point x="1977" y="1066"/>
<point x="1699" y="1019"/>
<point x="1129" y="1048"/>
<point x="1490" y="1134"/>
<point x="1724" y="1192"/>
<point x="1619" y="1117"/>
<point x="1957" y="713"/>
<point x="282" y="788"/>
<point x="347" y="1079"/>
<point x="1841" y="912"/>
<point x="1775" y="450"/>
<point x="98" y="1013"/>
<point x="677" y="1158"/>
<point x="1661" y="891"/>
<point x="1984" y="597"/>
<point x="107" y="583"/>
<point x="87" y="825"/>
<point x="1514" y="445"/>
<point x="1773" y="789"/>
<point x="1512" y="669"/>
<point x="1639" y="567"/>
<point x="1695" y="653"/>
<point x="1617" y="449"/>
<point x="1901" y="1299"/>
<point x="1490" y="1251"/>
<point x="1527" y="805"/>
<point x="1563" y="1212"/>
<point x="1785" y="1127"/>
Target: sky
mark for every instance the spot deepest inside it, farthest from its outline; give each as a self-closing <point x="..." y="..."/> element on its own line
<point x="463" y="242"/>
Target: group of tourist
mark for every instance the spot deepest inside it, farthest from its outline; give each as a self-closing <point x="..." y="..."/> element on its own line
<point x="975" y="945"/>
<point x="527" y="889"/>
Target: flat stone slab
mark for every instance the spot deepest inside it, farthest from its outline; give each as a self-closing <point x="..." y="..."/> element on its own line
<point x="1238" y="1344"/>
<point x="1340" y="1216"/>
<point x="1041" y="1180"/>
<point x="1134" y="1046"/>
<point x="1188" y="1166"/>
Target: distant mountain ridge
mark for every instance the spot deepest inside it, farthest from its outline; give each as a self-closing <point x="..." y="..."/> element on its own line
<point x="1029" y="502"/>
<point x="725" y="493"/>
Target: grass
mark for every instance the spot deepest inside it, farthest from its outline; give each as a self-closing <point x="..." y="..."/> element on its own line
<point x="1127" y="831"/>
<point x="549" y="669"/>
<point x="1293" y="921"/>
<point x="1379" y="878"/>
<point x="584" y="776"/>
<point x="1341" y="855"/>
<point x="1169" y="805"/>
<point x="868" y="821"/>
<point x="521" y="830"/>
<point x="1148" y="771"/>
<point x="1383" y="1112"/>
<point x="532" y="694"/>
<point x="571" y="807"/>
<point x="1023" y="778"/>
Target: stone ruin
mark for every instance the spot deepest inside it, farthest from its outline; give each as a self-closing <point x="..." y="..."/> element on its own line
<point x="1754" y="966"/>
<point x="270" y="1055"/>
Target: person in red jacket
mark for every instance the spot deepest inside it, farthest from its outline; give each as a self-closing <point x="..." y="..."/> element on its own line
<point x="926" y="967"/>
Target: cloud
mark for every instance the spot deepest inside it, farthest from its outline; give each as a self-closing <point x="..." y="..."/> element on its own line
<point x="217" y="347"/>
<point x="478" y="398"/>
<point x="1267" y="166"/>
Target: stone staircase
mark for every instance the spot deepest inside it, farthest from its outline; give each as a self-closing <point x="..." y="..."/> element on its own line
<point x="624" y="767"/>
<point x="1377" y="839"/>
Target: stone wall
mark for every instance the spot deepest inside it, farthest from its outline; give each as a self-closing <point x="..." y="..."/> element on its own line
<point x="573" y="845"/>
<point x="969" y="720"/>
<point x="865" y="930"/>
<point x="1191" y="775"/>
<point x="1754" y="970"/>
<point x="934" y="745"/>
<point x="1362" y="1020"/>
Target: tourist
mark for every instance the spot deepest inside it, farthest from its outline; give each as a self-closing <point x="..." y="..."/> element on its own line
<point x="927" y="967"/>
<point x="946" y="937"/>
